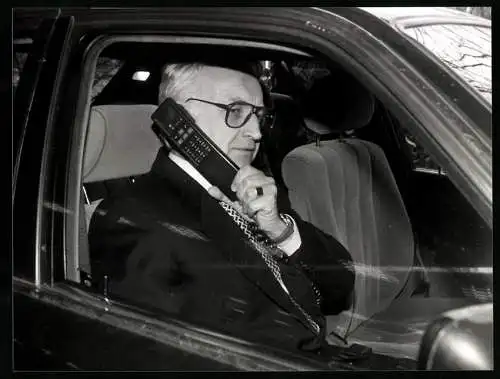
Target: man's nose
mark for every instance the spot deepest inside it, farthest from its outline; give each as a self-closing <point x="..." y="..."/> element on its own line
<point x="252" y="129"/>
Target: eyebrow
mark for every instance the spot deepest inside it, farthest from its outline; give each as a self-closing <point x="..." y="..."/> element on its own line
<point x="233" y="99"/>
<point x="237" y="98"/>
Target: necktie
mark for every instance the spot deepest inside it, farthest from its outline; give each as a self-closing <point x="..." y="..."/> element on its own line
<point x="266" y="249"/>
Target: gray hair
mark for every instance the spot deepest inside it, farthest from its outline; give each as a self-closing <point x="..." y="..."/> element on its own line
<point x="175" y="76"/>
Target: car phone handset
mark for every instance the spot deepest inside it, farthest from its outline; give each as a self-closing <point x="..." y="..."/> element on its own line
<point x="177" y="130"/>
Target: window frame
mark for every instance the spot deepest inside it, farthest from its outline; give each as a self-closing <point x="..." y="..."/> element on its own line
<point x="83" y="114"/>
<point x="80" y="129"/>
<point x="82" y="117"/>
<point x="34" y="112"/>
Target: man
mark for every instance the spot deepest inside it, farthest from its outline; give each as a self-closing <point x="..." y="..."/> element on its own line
<point x="181" y="252"/>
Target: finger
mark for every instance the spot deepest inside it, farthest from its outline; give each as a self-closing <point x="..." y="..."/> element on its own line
<point x="239" y="187"/>
<point x="239" y="207"/>
<point x="217" y="194"/>
<point x="250" y="194"/>
<point x="242" y="173"/>
<point x="247" y="189"/>
<point x="263" y="205"/>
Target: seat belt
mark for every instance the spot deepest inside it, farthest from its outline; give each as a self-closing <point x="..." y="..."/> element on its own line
<point x="418" y="281"/>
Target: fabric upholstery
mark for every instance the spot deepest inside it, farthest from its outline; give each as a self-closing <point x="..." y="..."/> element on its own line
<point x="120" y="142"/>
<point x="346" y="188"/>
<point x="287" y="133"/>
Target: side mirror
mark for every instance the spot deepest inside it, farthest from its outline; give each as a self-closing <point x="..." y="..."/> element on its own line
<point x="461" y="339"/>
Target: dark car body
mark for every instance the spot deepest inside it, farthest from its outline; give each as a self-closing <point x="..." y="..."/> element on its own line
<point x="60" y="325"/>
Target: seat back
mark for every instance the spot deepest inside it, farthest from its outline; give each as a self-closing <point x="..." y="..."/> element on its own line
<point x="287" y="132"/>
<point x="119" y="144"/>
<point x="346" y="188"/>
<point x="348" y="191"/>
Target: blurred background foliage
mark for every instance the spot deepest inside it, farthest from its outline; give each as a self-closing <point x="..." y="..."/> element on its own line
<point x="477" y="11"/>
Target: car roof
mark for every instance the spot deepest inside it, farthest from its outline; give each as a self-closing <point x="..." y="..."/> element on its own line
<point x="406" y="16"/>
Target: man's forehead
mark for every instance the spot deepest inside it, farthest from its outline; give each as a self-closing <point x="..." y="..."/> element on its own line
<point x="229" y="84"/>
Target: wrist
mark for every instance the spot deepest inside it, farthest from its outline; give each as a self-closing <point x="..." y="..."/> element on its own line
<point x="283" y="231"/>
<point x="276" y="230"/>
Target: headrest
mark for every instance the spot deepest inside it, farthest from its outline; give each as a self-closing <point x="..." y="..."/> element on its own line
<point x="281" y="101"/>
<point x="337" y="103"/>
<point x="120" y="142"/>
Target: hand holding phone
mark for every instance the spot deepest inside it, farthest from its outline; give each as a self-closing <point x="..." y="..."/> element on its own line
<point x="262" y="208"/>
<point x="176" y="129"/>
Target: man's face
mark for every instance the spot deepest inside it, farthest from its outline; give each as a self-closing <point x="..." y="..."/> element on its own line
<point x="221" y="85"/>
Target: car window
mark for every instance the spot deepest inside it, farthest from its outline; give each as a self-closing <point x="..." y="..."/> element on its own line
<point x="464" y="48"/>
<point x="20" y="52"/>
<point x="421" y="160"/>
<point x="308" y="72"/>
<point x="19" y="56"/>
<point x="454" y="241"/>
<point x="121" y="206"/>
<point x="106" y="69"/>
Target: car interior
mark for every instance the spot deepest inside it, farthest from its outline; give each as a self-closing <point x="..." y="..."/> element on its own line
<point x="335" y="147"/>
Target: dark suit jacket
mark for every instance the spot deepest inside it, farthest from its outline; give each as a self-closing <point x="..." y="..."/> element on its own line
<point x="165" y="243"/>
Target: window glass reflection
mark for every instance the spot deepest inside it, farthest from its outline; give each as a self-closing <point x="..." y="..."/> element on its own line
<point x="464" y="48"/>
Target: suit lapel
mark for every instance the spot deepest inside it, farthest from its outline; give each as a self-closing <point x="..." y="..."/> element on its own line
<point x="222" y="230"/>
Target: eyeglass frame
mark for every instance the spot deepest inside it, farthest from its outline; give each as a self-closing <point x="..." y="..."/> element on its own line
<point x="227" y="107"/>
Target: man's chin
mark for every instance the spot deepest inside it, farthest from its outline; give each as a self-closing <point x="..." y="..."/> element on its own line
<point x="242" y="157"/>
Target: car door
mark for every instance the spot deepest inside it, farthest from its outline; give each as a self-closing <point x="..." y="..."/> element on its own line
<point x="83" y="329"/>
<point x="63" y="327"/>
<point x="48" y="337"/>
<point x="34" y="79"/>
<point x="452" y="226"/>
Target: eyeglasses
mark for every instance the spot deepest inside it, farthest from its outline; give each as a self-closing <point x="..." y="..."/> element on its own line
<point x="239" y="112"/>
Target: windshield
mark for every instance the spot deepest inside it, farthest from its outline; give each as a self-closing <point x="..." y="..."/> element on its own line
<point x="464" y="48"/>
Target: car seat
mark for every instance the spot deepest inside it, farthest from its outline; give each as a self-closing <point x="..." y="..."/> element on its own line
<point x="287" y="132"/>
<point x="345" y="187"/>
<point x="119" y="144"/>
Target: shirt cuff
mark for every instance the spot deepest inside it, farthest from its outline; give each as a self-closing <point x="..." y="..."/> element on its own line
<point x="292" y="243"/>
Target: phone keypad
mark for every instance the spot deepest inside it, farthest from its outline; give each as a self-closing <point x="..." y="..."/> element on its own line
<point x="194" y="146"/>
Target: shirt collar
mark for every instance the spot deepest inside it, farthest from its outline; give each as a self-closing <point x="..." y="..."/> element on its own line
<point x="188" y="168"/>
